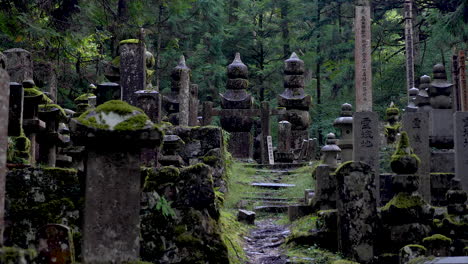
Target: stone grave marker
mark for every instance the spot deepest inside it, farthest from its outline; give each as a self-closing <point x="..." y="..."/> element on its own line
<point x="362" y="52"/>
<point x="357" y="210"/>
<point x="271" y="159"/>
<point x="132" y="69"/>
<point x="4" y="101"/>
<point x="55" y="245"/>
<point x="19" y="65"/>
<point x="416" y="124"/>
<point x="366" y="142"/>
<point x="461" y="147"/>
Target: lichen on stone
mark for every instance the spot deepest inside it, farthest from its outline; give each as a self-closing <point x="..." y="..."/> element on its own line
<point x="19" y="149"/>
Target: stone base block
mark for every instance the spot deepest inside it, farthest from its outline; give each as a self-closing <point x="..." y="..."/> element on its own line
<point x="240" y="145"/>
<point x="441" y="128"/>
<point x="443" y="161"/>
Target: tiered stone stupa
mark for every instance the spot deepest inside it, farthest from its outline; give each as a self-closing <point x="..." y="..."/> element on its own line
<point x="295" y="100"/>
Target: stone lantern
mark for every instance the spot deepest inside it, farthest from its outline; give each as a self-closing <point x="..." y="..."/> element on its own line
<point x="345" y="124"/>
<point x="330" y="152"/>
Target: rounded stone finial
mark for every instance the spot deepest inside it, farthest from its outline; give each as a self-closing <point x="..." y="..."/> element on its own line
<point x="425" y="80"/>
<point x="29" y="83"/>
<point x="331" y="139"/>
<point x="237" y="69"/>
<point x="413" y="91"/>
<point x="439" y="71"/>
<point x="346" y="107"/>
<point x="92" y="87"/>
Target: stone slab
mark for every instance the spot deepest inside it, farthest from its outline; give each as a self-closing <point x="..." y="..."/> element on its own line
<point x="55" y="244"/>
<point x="363" y="60"/>
<point x="112" y="207"/>
<point x="461" y="147"/>
<point x="4" y="103"/>
<point x="448" y="260"/>
<point x="416" y="124"/>
<point x="441" y="128"/>
<point x="132" y="70"/>
<point x="366" y="142"/>
<point x="272" y="185"/>
<point x="443" y="160"/>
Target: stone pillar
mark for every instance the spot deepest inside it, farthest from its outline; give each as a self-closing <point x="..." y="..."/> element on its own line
<point x="19" y="65"/>
<point x="107" y="91"/>
<point x="50" y="138"/>
<point x="283" y="151"/>
<point x="417" y="127"/>
<point x="393" y="126"/>
<point x="193" y="112"/>
<point x="325" y="188"/>
<point x="295" y="101"/>
<point x="207" y="113"/>
<point x="4" y="102"/>
<point x="345" y="124"/>
<point x="366" y="143"/>
<point x="461" y="148"/>
<point x="422" y="99"/>
<point x="265" y="123"/>
<point x="150" y="102"/>
<point x="462" y="79"/>
<point x="408" y="6"/>
<point x="330" y="152"/>
<point x="456" y="102"/>
<point x="112" y="199"/>
<point x="356" y="193"/>
<point x="45" y="77"/>
<point x="132" y="69"/>
<point x="363" y="59"/>
<point x="31" y="123"/>
<point x="236" y="97"/>
<point x="16" y="109"/>
<point x="181" y="82"/>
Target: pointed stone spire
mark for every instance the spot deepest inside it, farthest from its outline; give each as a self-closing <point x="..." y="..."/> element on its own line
<point x="237" y="70"/>
<point x="182" y="62"/>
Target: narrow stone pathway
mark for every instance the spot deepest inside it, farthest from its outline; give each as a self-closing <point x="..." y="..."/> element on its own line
<point x="264" y="241"/>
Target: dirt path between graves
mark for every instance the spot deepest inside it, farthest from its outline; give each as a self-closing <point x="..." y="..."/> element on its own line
<point x="264" y="241"/>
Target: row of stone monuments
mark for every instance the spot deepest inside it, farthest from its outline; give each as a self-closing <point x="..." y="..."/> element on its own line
<point x="102" y="195"/>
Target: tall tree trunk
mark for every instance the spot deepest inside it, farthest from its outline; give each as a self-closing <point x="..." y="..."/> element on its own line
<point x="158" y="45"/>
<point x="317" y="70"/>
<point x="285" y="28"/>
<point x="262" y="57"/>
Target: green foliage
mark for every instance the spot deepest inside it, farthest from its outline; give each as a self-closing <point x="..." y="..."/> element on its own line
<point x="165" y="208"/>
<point x="437" y="237"/>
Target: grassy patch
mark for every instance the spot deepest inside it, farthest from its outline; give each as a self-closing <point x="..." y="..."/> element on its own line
<point x="239" y="184"/>
<point x="302" y="178"/>
<point x="302" y="254"/>
<point x="232" y="232"/>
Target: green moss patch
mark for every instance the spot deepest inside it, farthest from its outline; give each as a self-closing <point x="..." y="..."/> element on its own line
<point x="83" y="97"/>
<point x="404" y="149"/>
<point x="19" y="149"/>
<point x="50" y="107"/>
<point x="437" y="238"/>
<point x="232" y="232"/>
<point x="139" y="120"/>
<point x="129" y="41"/>
<point x="36" y="92"/>
<point x="404" y="201"/>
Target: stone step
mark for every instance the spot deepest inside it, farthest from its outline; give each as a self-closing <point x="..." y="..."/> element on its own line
<point x="271" y="209"/>
<point x="272" y="185"/>
<point x="269" y="198"/>
<point x="278" y="166"/>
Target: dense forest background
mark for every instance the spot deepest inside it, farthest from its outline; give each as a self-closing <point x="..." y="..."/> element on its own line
<point x="77" y="36"/>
